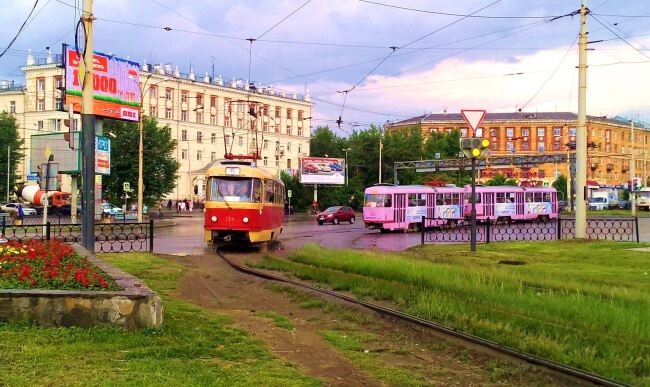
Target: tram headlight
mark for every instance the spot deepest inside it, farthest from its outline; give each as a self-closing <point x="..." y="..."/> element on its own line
<point x="214" y="218"/>
<point x="245" y="220"/>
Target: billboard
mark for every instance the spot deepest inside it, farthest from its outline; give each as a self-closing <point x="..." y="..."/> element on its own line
<point x="322" y="170"/>
<point x="69" y="160"/>
<point x="116" y="85"/>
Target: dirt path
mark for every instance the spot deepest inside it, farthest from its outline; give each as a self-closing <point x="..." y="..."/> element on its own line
<point x="211" y="283"/>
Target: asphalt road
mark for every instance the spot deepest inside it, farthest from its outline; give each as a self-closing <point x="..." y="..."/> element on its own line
<point x="186" y="238"/>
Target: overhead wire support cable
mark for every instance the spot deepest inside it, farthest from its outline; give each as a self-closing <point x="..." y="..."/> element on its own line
<point x="619" y="36"/>
<point x="285" y="18"/>
<point x="12" y="41"/>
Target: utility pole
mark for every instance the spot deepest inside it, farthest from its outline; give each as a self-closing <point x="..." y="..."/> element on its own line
<point x="88" y="134"/>
<point x="581" y="138"/>
<point x="632" y="172"/>
<point x="380" y="146"/>
<point x="141" y="153"/>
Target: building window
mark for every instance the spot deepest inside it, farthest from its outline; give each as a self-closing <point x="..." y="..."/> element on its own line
<point x="510" y="132"/>
<point x="572" y="132"/>
<point x="300" y="130"/>
<point x="607" y="135"/>
<point x="153" y="93"/>
<point x="494" y="146"/>
<point x="540" y="147"/>
<point x="463" y="132"/>
<point x="213" y="138"/>
<point x="39" y="125"/>
<point x="277" y="119"/>
<point x="240" y="141"/>
<point x="169" y="113"/>
<point x="58" y="83"/>
<point x="299" y="149"/>
<point x="213" y="156"/>
<point x="199" y="137"/>
<point x="277" y="163"/>
<point x="494" y="132"/>
<point x="184" y="115"/>
<point x="541" y="132"/>
<point x="556" y="144"/>
<point x="289" y="121"/>
<point x="265" y="118"/>
<point x="184" y="154"/>
<point x="525" y="132"/>
<point x="199" y="117"/>
<point x="152" y="111"/>
<point x="509" y="146"/>
<point x="12" y="107"/>
<point x="288" y="163"/>
<point x="213" y="119"/>
<point x="56" y="124"/>
<point x="199" y="155"/>
<point x="40" y="84"/>
<point x="266" y="144"/>
<point x="557" y="131"/>
<point x="58" y="104"/>
<point x="184" y="96"/>
<point x="169" y="94"/>
<point x="183" y="135"/>
<point x="199" y="101"/>
<point x="40" y="104"/>
<point x="288" y="147"/>
<point x="266" y="161"/>
<point x="524" y="146"/>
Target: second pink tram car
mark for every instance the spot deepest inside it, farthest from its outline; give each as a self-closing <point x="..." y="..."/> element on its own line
<point x="392" y="207"/>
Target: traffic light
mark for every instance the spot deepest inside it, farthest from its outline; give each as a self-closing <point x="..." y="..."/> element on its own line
<point x="474" y="147"/>
<point x="636" y="182"/>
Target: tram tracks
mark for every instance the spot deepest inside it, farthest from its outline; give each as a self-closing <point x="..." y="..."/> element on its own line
<point x="551" y="365"/>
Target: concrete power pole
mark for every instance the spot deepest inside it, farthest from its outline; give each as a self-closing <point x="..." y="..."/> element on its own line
<point x="88" y="134"/>
<point x="581" y="140"/>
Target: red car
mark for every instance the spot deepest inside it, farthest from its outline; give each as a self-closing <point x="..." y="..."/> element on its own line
<point x="309" y="168"/>
<point x="336" y="215"/>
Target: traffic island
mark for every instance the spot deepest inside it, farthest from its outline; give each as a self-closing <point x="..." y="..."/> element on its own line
<point x="132" y="306"/>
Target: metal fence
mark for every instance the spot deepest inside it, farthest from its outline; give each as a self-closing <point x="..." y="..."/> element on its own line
<point x="109" y="237"/>
<point x="613" y="229"/>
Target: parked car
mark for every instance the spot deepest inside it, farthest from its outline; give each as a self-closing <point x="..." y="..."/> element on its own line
<point x="624" y="204"/>
<point x="111" y="210"/>
<point x="598" y="204"/>
<point x="336" y="215"/>
<point x="28" y="211"/>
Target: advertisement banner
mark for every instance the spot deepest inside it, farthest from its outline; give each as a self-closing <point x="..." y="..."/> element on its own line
<point x="415" y="214"/>
<point x="116" y="85"/>
<point x="538" y="208"/>
<point x="505" y="209"/>
<point x="102" y="155"/>
<point x="69" y="160"/>
<point x="447" y="212"/>
<point x="322" y="170"/>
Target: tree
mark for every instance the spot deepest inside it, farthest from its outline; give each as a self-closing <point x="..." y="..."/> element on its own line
<point x="325" y="142"/>
<point x="560" y="185"/>
<point x="9" y="138"/>
<point x="160" y="166"/>
<point x="500" y="179"/>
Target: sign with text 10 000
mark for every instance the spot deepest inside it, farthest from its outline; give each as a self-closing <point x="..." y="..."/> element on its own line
<point x="116" y="85"/>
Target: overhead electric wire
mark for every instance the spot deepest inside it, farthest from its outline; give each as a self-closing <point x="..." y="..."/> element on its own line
<point x="620" y="37"/>
<point x="541" y="87"/>
<point x="455" y="14"/>
<point x="285" y="18"/>
<point x="19" y="30"/>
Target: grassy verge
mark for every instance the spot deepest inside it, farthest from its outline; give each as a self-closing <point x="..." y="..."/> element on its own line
<point x="194" y="346"/>
<point x="581" y="303"/>
<point x="613" y="212"/>
<point x="278" y="320"/>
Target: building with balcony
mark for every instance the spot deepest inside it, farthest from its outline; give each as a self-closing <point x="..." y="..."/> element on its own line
<point x="610" y="143"/>
<point x="209" y="117"/>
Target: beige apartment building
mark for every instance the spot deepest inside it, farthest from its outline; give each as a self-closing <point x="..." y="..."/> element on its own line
<point x="609" y="151"/>
<point x="208" y="117"/>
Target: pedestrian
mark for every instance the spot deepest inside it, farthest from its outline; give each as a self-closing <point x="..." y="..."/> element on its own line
<point x="21" y="214"/>
<point x="169" y="205"/>
<point x="134" y="208"/>
<point x="160" y="210"/>
<point x="182" y="206"/>
<point x="191" y="206"/>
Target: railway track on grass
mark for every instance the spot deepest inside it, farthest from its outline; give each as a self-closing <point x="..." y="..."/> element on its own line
<point x="532" y="359"/>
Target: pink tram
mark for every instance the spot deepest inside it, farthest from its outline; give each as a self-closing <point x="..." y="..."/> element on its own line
<point x="392" y="207"/>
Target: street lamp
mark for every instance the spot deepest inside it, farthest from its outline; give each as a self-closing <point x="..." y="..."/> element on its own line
<point x="346" y="164"/>
<point x="143" y="90"/>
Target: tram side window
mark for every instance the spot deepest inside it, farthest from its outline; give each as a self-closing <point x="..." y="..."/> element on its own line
<point x="257" y="191"/>
<point x="455" y="199"/>
<point x="417" y="200"/>
<point x="413" y="200"/>
<point x="439" y="200"/>
<point x="501" y="197"/>
<point x="468" y="198"/>
<point x="547" y="197"/>
<point x="538" y="197"/>
<point x="278" y="193"/>
<point x="377" y="200"/>
<point x="268" y="191"/>
<point x="529" y="197"/>
<point x="510" y="197"/>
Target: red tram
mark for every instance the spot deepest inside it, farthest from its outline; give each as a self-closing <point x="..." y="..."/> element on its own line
<point x="244" y="204"/>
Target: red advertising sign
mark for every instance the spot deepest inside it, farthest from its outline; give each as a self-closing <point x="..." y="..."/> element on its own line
<point x="116" y="85"/>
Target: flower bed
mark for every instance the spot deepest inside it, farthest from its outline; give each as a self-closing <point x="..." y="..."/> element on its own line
<point x="49" y="265"/>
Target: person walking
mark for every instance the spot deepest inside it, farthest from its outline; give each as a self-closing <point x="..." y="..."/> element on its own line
<point x="169" y="205"/>
<point x="191" y="205"/>
<point x="160" y="210"/>
<point x="21" y="214"/>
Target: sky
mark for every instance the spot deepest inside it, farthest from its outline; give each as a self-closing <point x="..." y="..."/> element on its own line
<point x="369" y="62"/>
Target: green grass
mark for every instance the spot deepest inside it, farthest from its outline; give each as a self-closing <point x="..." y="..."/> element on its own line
<point x="613" y="212"/>
<point x="193" y="347"/>
<point x="585" y="304"/>
<point x="280" y="321"/>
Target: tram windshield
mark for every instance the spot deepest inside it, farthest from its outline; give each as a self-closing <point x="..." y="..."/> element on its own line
<point x="234" y="189"/>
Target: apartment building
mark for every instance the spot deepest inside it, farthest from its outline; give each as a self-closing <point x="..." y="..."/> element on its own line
<point x="610" y="143"/>
<point x="208" y="117"/>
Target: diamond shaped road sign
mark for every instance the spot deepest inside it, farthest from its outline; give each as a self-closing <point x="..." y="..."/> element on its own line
<point x="474" y="119"/>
